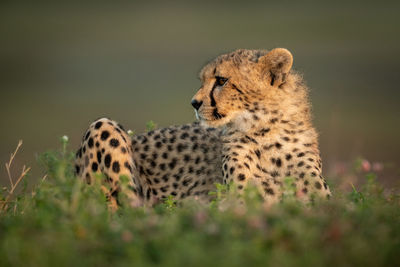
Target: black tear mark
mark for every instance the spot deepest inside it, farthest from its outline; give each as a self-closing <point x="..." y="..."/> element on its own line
<point x="213" y="103"/>
<point x="273" y="77"/>
<point x="237" y="89"/>
<point x="217" y="115"/>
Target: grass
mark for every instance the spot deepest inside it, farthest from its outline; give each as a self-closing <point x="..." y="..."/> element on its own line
<point x="64" y="222"/>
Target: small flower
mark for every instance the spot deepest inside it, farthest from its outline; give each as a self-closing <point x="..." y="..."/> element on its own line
<point x="65" y="138"/>
<point x="377" y="166"/>
<point x="365" y="165"/>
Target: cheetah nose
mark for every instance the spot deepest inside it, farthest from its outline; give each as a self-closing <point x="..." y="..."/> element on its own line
<point x="196" y="104"/>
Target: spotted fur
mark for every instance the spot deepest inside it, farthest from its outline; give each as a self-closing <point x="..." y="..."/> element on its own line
<point x="255" y="128"/>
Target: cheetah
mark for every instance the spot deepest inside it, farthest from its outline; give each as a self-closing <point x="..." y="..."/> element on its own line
<point x="254" y="127"/>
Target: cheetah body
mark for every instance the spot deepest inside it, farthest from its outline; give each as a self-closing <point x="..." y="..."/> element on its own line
<point x="255" y="128"/>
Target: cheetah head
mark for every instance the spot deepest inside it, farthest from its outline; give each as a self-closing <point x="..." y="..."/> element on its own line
<point x="234" y="82"/>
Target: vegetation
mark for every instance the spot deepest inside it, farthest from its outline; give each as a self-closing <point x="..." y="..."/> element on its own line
<point x="64" y="222"/>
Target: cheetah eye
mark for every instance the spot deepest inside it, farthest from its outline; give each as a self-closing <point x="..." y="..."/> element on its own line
<point x="220" y="81"/>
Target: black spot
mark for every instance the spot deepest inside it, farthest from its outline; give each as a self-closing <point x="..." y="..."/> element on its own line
<point x="268" y="147"/>
<point x="87" y="135"/>
<point x="149" y="172"/>
<point x="190" y="169"/>
<point x="104" y="135"/>
<point x="301" y="154"/>
<point x="165" y="155"/>
<point x="318" y="185"/>
<point x="148" y="193"/>
<point x="77" y="169"/>
<point x="162" y="166"/>
<point x="164" y="188"/>
<point x="301" y="163"/>
<point x="269" y="191"/>
<point x="302" y="175"/>
<point x="304" y="190"/>
<point x="181" y="147"/>
<point x="231" y="170"/>
<point x="274" y="174"/>
<point x="278" y="162"/>
<point x="258" y="153"/>
<point x="172" y="164"/>
<point x="123" y="150"/>
<point x="98" y="156"/>
<point x="107" y="160"/>
<point x="126" y="164"/>
<point x="263" y="131"/>
<point x="184" y="135"/>
<point x="241" y="177"/>
<point x="325" y="186"/>
<point x="195" y="146"/>
<point x="158" y="144"/>
<point x="78" y="153"/>
<point x="114" y="142"/>
<point x="115" y="167"/>
<point x="278" y="145"/>
<point x="288" y="157"/>
<point x="94" y="166"/>
<point x="165" y="178"/>
<point x="98" y="125"/>
<point x="90" y="142"/>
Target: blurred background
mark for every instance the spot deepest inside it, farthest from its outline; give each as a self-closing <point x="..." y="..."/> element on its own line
<point x="63" y="65"/>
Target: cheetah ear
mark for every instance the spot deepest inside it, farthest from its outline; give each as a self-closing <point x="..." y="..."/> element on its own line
<point x="277" y="63"/>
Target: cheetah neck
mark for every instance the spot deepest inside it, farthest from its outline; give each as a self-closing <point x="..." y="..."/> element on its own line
<point x="273" y="134"/>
